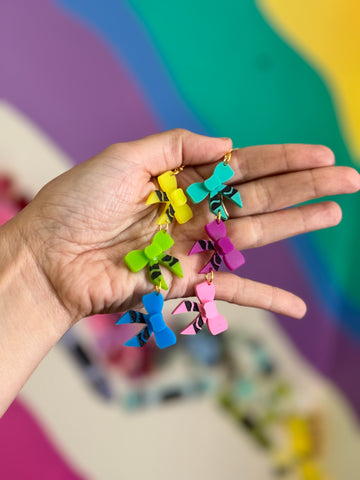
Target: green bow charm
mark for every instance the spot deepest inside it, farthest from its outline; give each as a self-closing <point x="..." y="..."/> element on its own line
<point x="152" y="256"/>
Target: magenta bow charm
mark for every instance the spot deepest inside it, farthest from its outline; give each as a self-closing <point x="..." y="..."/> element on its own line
<point x="207" y="311"/>
<point x="222" y="246"/>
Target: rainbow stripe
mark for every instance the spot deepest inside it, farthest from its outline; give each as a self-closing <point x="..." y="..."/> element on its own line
<point x="222" y="71"/>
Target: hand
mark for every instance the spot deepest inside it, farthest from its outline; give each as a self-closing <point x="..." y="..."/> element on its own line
<point x="82" y="224"/>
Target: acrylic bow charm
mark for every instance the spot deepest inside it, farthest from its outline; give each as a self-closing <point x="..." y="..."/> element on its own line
<point x="151" y="256"/>
<point x="222" y="246"/>
<point x="215" y="188"/>
<point x="154" y="321"/>
<point x="207" y="311"/>
<point x="174" y="199"/>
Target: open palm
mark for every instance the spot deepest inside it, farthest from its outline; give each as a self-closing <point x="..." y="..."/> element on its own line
<point x="82" y="224"/>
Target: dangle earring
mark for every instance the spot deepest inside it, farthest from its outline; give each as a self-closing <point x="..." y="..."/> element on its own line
<point x="154" y="321"/>
<point x="219" y="243"/>
<point x="152" y="257"/>
<point x="173" y="197"/>
<point x="216" y="190"/>
<point x="205" y="292"/>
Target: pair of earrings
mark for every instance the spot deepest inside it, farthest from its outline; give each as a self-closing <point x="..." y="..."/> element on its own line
<point x="154" y="255"/>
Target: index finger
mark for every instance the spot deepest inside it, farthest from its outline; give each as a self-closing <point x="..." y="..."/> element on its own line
<point x="261" y="161"/>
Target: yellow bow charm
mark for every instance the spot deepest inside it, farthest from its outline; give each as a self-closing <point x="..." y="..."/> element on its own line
<point x="174" y="199"/>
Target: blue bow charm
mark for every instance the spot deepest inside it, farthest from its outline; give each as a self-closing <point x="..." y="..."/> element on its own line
<point x="215" y="188"/>
<point x="154" y="321"/>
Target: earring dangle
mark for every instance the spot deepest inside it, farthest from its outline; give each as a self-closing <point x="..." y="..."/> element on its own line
<point x="154" y="321"/>
<point x="173" y="197"/>
<point x="215" y="188"/>
<point x="152" y="257"/>
<point x="206" y="308"/>
<point x="219" y="243"/>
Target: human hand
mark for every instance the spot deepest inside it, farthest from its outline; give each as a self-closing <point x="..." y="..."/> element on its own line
<point x="82" y="224"/>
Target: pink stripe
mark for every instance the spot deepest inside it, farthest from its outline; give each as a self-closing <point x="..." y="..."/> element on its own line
<point x="26" y="452"/>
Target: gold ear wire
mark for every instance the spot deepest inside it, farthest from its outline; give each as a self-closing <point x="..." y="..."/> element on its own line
<point x="178" y="170"/>
<point x="211" y="273"/>
<point x="227" y="157"/>
<point x="164" y="227"/>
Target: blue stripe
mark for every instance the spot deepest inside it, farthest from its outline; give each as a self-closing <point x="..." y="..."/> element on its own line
<point x="115" y="22"/>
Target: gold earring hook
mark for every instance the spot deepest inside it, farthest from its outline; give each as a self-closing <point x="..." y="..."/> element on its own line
<point x="211" y="273"/>
<point x="177" y="170"/>
<point x="227" y="157"/>
<point x="164" y="227"/>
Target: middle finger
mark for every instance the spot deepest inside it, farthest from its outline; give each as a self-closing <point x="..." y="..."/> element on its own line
<point x="281" y="191"/>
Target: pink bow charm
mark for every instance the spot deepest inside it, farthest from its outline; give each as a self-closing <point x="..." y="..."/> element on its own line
<point x="222" y="246"/>
<point x="207" y="311"/>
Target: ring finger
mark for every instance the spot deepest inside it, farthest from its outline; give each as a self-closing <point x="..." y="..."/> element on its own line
<point x="258" y="230"/>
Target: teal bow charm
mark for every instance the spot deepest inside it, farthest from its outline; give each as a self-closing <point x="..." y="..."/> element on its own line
<point x="152" y="256"/>
<point x="215" y="188"/>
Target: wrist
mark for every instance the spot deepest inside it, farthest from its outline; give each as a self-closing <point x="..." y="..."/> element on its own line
<point x="22" y="278"/>
<point x="32" y="319"/>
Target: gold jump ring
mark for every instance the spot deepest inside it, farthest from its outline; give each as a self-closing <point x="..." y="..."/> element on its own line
<point x="177" y="170"/>
<point x="211" y="273"/>
<point x="227" y="157"/>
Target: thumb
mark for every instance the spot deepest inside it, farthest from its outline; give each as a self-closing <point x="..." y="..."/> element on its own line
<point x="168" y="150"/>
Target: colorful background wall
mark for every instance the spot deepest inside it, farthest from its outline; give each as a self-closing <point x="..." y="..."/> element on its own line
<point x="78" y="75"/>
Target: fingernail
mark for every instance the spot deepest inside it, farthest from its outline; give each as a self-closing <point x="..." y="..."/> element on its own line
<point x="325" y="155"/>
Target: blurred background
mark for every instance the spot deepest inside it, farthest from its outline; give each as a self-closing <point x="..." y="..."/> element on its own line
<point x="270" y="398"/>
